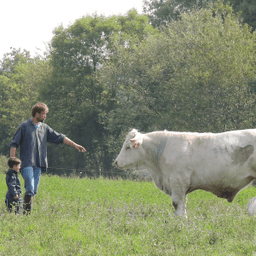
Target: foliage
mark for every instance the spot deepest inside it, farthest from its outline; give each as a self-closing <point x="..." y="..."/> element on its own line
<point x="162" y="12"/>
<point x="106" y="217"/>
<point x="247" y="9"/>
<point x="20" y="78"/>
<point x="12" y="59"/>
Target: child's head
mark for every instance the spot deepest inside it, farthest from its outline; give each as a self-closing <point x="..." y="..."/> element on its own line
<point x="14" y="162"/>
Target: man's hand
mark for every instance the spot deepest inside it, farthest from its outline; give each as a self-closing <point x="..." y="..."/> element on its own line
<point x="80" y="148"/>
<point x="16" y="197"/>
<point x="72" y="143"/>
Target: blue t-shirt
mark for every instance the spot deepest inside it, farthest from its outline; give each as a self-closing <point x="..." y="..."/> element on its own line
<point x="36" y="126"/>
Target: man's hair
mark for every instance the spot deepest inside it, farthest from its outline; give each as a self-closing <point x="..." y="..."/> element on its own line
<point x="13" y="161"/>
<point x="39" y="108"/>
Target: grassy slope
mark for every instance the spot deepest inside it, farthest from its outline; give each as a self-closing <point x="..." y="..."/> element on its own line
<point x="117" y="217"/>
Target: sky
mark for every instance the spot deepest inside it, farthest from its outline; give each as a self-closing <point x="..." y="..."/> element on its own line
<point x="28" y="24"/>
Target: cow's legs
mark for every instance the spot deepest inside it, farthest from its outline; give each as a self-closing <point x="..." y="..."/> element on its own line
<point x="179" y="204"/>
<point x="179" y="198"/>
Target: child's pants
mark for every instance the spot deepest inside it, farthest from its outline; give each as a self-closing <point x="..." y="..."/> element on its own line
<point x="17" y="204"/>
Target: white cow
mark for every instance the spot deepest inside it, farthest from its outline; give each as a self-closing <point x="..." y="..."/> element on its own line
<point x="181" y="162"/>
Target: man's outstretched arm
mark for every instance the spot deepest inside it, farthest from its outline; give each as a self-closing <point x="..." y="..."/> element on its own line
<point x="72" y="143"/>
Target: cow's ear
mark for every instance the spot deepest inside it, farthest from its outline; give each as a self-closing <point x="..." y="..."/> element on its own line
<point x="135" y="143"/>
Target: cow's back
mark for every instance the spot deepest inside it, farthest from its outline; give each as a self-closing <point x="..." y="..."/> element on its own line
<point x="222" y="163"/>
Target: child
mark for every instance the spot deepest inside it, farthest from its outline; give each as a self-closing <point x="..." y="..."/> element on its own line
<point x="13" y="195"/>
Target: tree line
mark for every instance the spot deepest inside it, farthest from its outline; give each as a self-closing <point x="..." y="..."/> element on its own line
<point x="189" y="68"/>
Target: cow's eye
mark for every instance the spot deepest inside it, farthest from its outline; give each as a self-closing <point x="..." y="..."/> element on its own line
<point x="128" y="147"/>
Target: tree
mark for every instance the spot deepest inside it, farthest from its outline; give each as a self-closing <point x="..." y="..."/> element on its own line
<point x="11" y="59"/>
<point x="20" y="78"/>
<point x="162" y="12"/>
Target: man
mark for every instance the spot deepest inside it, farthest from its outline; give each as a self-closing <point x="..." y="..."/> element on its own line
<point x="31" y="137"/>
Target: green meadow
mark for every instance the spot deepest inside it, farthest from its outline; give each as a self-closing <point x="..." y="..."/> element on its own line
<point x="80" y="216"/>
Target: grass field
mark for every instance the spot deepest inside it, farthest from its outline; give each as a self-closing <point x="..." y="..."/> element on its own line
<point x="73" y="216"/>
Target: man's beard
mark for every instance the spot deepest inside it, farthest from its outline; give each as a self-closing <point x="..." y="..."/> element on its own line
<point x="40" y="120"/>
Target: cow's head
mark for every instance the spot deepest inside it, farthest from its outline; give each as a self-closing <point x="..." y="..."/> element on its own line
<point x="130" y="154"/>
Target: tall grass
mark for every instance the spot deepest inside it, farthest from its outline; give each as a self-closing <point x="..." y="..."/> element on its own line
<point x="120" y="217"/>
